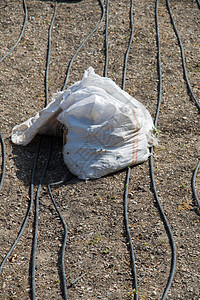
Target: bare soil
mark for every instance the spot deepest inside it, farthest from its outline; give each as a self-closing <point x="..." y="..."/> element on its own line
<point x="93" y="210"/>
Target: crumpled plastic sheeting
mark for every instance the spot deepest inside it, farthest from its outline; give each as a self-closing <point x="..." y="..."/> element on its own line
<point x="107" y="129"/>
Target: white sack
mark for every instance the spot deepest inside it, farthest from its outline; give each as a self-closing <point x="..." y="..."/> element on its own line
<point x="107" y="129"/>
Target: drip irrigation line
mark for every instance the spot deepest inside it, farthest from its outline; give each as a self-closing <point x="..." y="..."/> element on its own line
<point x="188" y="85"/>
<point x="135" y="285"/>
<point x="48" y="55"/>
<point x="63" y="279"/>
<point x="158" y="65"/>
<point x="17" y="239"/>
<point x="182" y="57"/>
<point x="167" y="228"/>
<point x="198" y="3"/>
<point x="28" y="211"/>
<point x="129" y="45"/>
<point x="34" y="246"/>
<point x="21" y="34"/>
<point x="85" y="40"/>
<point x="163" y="216"/>
<point x="11" y="49"/>
<point x="193" y="184"/>
<point x="3" y="150"/>
<point x="132" y="256"/>
<point x="105" y="73"/>
<point x="3" y="155"/>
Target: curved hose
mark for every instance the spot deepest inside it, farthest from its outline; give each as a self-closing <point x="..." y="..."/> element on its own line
<point x="12" y="48"/>
<point x="64" y="239"/>
<point x="135" y="285"/>
<point x="158" y="65"/>
<point x="85" y="40"/>
<point x="34" y="247"/>
<point x="105" y="73"/>
<point x="129" y="45"/>
<point x="48" y="55"/>
<point x="27" y="214"/>
<point x="182" y="57"/>
<point x="163" y="216"/>
<point x="193" y="184"/>
<point x="21" y="34"/>
<point x="3" y="154"/>
<point x="167" y="228"/>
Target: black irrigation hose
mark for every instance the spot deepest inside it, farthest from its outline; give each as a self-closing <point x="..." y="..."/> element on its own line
<point x="49" y="189"/>
<point x="48" y="55"/>
<point x="182" y="57"/>
<point x="34" y="246"/>
<point x="64" y="239"/>
<point x="105" y="73"/>
<point x="187" y="81"/>
<point x="135" y="285"/>
<point x="162" y="213"/>
<point x="167" y="228"/>
<point x="12" y="48"/>
<point x="193" y="184"/>
<point x="27" y="214"/>
<point x="85" y="40"/>
<point x="158" y="65"/>
<point x="3" y="154"/>
<point x="129" y="45"/>
<point x="21" y="34"/>
<point x="188" y="85"/>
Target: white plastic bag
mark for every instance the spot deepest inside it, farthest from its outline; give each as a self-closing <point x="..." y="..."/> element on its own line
<point x="107" y="129"/>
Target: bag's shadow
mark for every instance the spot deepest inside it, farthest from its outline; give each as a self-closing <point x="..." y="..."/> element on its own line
<point x="24" y="160"/>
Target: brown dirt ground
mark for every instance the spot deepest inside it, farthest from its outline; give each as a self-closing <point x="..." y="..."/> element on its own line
<point x="93" y="210"/>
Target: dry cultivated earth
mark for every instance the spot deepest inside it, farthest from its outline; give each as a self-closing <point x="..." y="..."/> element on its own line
<point x="97" y="245"/>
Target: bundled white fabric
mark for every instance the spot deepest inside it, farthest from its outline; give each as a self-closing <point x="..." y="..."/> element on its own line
<point x="107" y="129"/>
